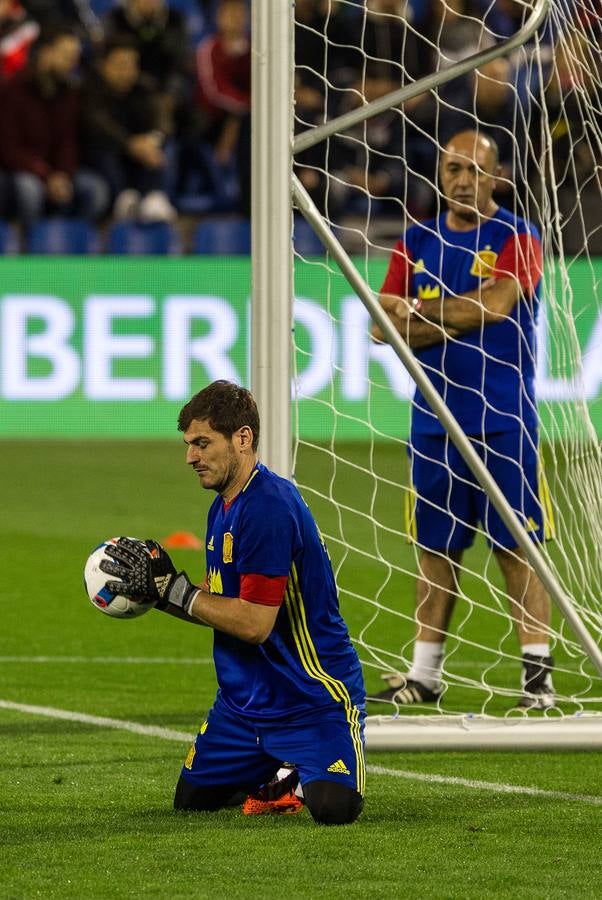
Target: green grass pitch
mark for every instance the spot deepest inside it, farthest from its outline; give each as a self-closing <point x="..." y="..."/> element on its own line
<point x="85" y="811"/>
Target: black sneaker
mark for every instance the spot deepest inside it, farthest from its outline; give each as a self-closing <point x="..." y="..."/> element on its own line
<point x="406" y="694"/>
<point x="538" y="692"/>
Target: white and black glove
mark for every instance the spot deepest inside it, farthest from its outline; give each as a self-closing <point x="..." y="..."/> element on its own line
<point x="146" y="572"/>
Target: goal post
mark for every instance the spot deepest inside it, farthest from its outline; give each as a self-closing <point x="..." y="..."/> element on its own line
<point x="271" y="211"/>
<point x="367" y="536"/>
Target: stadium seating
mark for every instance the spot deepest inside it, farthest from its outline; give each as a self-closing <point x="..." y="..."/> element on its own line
<point x="222" y="237"/>
<point x="204" y="186"/>
<point x="9" y="242"/>
<point x="60" y="236"/>
<point x="156" y="239"/>
<point x="305" y="240"/>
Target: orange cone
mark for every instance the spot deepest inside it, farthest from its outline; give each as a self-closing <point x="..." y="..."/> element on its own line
<point x="182" y="540"/>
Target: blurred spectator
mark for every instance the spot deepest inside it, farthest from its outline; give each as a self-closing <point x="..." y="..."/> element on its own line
<point x="224" y="76"/>
<point x="396" y="51"/>
<point x="17" y="33"/>
<point x="223" y="65"/>
<point x="326" y="56"/>
<point x="160" y="35"/>
<point x="389" y="46"/>
<point x="573" y="73"/>
<point x="574" y="170"/>
<point x="493" y="101"/>
<point x="504" y="18"/>
<point x="455" y="31"/>
<point x="77" y="13"/>
<point x="366" y="175"/>
<point x="39" y="134"/>
<point x="327" y="64"/>
<point x="120" y="122"/>
<point x="484" y="99"/>
<point x="311" y="92"/>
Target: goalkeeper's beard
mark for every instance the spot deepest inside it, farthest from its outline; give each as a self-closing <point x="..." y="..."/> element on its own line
<point x="221" y="485"/>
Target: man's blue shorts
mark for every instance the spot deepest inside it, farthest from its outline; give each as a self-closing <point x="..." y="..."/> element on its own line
<point x="449" y="506"/>
<point x="324" y="745"/>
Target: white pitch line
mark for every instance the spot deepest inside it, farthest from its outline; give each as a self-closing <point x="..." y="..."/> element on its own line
<point x="116" y="660"/>
<point x="101" y="721"/>
<point x="485" y="785"/>
<point x="169" y="734"/>
<point x="453" y="669"/>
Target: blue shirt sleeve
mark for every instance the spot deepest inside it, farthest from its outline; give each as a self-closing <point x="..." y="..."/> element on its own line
<point x="269" y="535"/>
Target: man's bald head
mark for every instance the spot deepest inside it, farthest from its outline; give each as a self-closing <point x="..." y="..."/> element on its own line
<point x="468" y="169"/>
<point x="475" y="144"/>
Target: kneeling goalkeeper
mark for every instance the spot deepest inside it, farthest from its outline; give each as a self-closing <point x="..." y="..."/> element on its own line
<point x="290" y="682"/>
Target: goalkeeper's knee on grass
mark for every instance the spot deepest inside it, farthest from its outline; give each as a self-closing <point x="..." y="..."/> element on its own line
<point x="328" y="803"/>
<point x="332" y="804"/>
<point x="191" y="797"/>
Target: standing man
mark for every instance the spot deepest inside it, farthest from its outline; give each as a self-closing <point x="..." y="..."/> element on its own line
<point x="39" y="134"/>
<point x="462" y="290"/>
<point x="290" y="682"/>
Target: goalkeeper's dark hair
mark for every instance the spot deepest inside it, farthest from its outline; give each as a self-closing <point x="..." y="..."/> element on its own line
<point x="226" y="406"/>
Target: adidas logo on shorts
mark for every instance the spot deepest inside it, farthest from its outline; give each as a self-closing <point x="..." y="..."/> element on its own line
<point x="339" y="768"/>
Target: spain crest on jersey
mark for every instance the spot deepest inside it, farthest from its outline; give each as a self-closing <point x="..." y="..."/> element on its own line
<point x="227" y="547"/>
<point x="483" y="265"/>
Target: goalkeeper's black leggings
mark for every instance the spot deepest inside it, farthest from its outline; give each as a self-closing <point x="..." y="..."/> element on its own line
<point x="329" y="803"/>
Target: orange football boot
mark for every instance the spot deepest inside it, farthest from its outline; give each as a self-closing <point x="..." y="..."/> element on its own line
<point x="255" y="805"/>
<point x="276" y="797"/>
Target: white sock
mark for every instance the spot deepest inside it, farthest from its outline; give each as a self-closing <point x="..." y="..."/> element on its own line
<point x="284" y="772"/>
<point x="542" y="649"/>
<point x="427" y="663"/>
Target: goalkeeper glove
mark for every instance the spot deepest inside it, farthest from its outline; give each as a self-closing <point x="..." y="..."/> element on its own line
<point x="147" y="573"/>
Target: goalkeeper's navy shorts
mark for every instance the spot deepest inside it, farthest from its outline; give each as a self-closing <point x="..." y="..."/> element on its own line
<point x="448" y="506"/>
<point x="325" y="745"/>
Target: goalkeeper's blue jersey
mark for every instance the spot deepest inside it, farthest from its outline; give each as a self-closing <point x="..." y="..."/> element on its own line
<point x="308" y="662"/>
<point x="487" y="375"/>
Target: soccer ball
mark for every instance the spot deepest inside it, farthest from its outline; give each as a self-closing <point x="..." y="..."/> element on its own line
<point x="95" y="582"/>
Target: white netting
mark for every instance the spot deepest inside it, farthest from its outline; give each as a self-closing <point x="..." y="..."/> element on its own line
<point x="542" y="105"/>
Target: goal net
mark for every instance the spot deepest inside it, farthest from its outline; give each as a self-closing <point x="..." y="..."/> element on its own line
<point x="372" y="179"/>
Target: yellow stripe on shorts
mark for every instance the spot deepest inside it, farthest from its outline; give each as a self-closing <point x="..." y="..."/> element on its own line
<point x="410" y="500"/>
<point x="311" y="663"/>
<point x="543" y="489"/>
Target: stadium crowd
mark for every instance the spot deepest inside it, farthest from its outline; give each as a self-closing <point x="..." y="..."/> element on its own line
<point x="139" y="110"/>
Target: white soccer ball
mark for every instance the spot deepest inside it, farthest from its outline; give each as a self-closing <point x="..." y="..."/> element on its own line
<point x="95" y="581"/>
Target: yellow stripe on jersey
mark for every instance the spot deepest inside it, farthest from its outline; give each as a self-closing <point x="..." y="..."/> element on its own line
<point x="311" y="663"/>
<point x="250" y="479"/>
<point x="543" y="489"/>
<point x="410" y="499"/>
